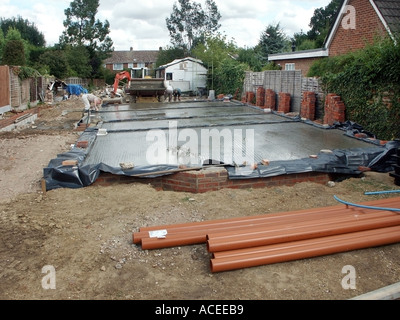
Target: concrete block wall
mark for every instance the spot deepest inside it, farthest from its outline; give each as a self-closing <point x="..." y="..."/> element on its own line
<point x="278" y="81"/>
<point x="12" y="122"/>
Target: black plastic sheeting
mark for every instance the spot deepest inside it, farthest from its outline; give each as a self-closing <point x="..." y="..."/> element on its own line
<point x="57" y="175"/>
<point x="379" y="159"/>
<point x="349" y="161"/>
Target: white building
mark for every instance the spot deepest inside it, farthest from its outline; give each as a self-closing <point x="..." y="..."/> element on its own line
<point x="188" y="74"/>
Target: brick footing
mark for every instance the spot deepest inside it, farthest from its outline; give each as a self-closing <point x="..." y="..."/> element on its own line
<point x="211" y="180"/>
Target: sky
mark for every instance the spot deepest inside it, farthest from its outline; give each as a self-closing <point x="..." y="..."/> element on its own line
<point x="141" y="24"/>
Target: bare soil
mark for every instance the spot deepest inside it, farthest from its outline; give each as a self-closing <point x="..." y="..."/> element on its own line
<point x="86" y="234"/>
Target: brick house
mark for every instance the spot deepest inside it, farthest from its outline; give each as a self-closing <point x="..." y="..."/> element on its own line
<point x="358" y="23"/>
<point x="137" y="61"/>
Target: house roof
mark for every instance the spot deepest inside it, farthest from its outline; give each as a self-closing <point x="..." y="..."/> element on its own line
<point x="314" y="53"/>
<point x="176" y="61"/>
<point x="144" y="56"/>
<point x="387" y="10"/>
<point x="390" y="11"/>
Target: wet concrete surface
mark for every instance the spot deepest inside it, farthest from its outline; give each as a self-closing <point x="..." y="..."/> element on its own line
<point x="190" y="133"/>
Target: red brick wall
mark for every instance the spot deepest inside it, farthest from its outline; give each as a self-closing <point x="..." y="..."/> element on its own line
<point x="308" y="103"/>
<point x="213" y="180"/>
<point x="284" y="102"/>
<point x="368" y="26"/>
<point x="249" y="97"/>
<point x="260" y="97"/>
<point x="270" y="99"/>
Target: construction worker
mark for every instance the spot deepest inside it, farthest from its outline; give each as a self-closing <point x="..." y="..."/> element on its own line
<point x="168" y="93"/>
<point x="89" y="99"/>
<point x="177" y="94"/>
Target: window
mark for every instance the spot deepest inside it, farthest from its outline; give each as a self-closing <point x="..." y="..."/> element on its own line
<point x="141" y="65"/>
<point x="118" y="66"/>
<point x="169" y="76"/>
<point x="130" y="65"/>
<point x="290" y="66"/>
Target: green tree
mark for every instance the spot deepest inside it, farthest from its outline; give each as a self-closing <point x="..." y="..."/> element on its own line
<point x="14" y="49"/>
<point x="229" y="77"/>
<point x="322" y="21"/>
<point x="251" y="57"/>
<point x="78" y="59"/>
<point x="168" y="55"/>
<point x="2" y="44"/>
<point x="189" y="23"/>
<point x="215" y="49"/>
<point x="368" y="81"/>
<point x="56" y="62"/>
<point x="220" y="56"/>
<point x="83" y="29"/>
<point x="28" y="30"/>
<point x="14" y="54"/>
<point x="272" y="40"/>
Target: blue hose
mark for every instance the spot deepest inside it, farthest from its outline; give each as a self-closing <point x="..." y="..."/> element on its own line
<point x="381" y="192"/>
<point x="366" y="207"/>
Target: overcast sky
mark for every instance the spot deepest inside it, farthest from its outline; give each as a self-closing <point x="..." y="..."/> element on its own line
<point x="141" y="24"/>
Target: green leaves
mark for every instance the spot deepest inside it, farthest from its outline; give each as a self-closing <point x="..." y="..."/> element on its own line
<point x="369" y="83"/>
<point x="189" y="22"/>
<point x="82" y="28"/>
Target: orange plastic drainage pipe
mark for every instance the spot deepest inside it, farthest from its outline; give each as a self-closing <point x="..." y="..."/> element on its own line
<point x="201" y="236"/>
<point x="200" y="224"/>
<point x="173" y="241"/>
<point x="293" y="245"/>
<point x="306" y="232"/>
<point x="138" y="237"/>
<point x="232" y="224"/>
<point x="287" y="226"/>
<point x="308" y="248"/>
<point x="177" y="237"/>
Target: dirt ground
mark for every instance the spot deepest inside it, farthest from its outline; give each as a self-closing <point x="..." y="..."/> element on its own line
<point x="85" y="235"/>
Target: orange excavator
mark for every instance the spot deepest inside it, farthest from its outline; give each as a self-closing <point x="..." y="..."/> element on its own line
<point x="140" y="90"/>
<point x="118" y="78"/>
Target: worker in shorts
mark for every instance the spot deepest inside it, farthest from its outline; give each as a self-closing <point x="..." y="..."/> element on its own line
<point x="168" y="93"/>
<point x="91" y="101"/>
<point x="177" y="94"/>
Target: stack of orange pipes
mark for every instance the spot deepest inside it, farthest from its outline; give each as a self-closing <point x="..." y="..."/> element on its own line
<point x="263" y="239"/>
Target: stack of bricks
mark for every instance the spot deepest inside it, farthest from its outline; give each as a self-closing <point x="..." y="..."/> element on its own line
<point x="250" y="96"/>
<point x="260" y="97"/>
<point x="270" y="99"/>
<point x="284" y="102"/>
<point x="308" y="105"/>
<point x="335" y="110"/>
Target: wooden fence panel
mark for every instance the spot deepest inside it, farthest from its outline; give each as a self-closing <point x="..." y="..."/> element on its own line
<point x="4" y="88"/>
